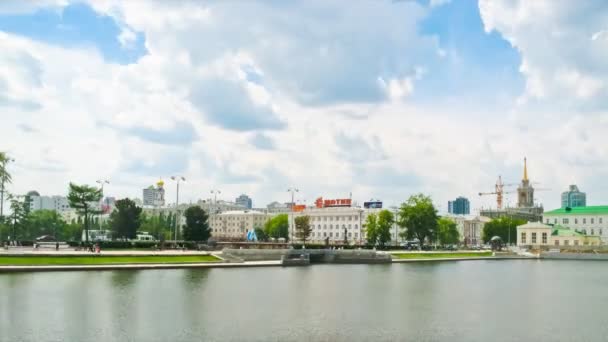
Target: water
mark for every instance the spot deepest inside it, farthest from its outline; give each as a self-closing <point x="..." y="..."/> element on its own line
<point x="518" y="300"/>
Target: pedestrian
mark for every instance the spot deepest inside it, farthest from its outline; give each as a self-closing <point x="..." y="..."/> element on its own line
<point x="57" y="245"/>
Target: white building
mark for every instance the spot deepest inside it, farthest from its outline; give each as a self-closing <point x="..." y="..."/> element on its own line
<point x="537" y="234"/>
<point x="591" y="220"/>
<point x="154" y="197"/>
<point x="56" y="203"/>
<point x="235" y="224"/>
<point x="470" y="228"/>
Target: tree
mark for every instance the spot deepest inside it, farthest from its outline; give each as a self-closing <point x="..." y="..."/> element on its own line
<point x="157" y="225"/>
<point x="197" y="225"/>
<point x="81" y="198"/>
<point x="447" y="232"/>
<point x="125" y="219"/>
<point x="418" y="217"/>
<point x="278" y="227"/>
<point x="5" y="178"/>
<point x="504" y="226"/>
<point x="383" y="229"/>
<point x="371" y="229"/>
<point x="45" y="222"/>
<point x="19" y="214"/>
<point x="303" y="228"/>
<point x="260" y="234"/>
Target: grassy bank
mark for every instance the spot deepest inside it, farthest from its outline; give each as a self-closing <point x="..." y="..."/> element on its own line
<point x="103" y="260"/>
<point x="441" y="255"/>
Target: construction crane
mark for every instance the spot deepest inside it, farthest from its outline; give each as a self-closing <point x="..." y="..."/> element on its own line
<point x="499" y="192"/>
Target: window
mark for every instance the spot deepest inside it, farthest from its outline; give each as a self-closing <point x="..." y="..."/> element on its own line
<point x="576" y="242"/>
<point x="533" y="238"/>
<point x="565" y="221"/>
<point x="324" y="226"/>
<point x="547" y="221"/>
<point x="592" y="231"/>
<point x="555" y="221"/>
<point x="523" y="238"/>
<point x="331" y="234"/>
<point x="575" y="221"/>
<point x="319" y="227"/>
<point x="592" y="221"/>
<point x="557" y="242"/>
<point x="356" y="235"/>
<point x="331" y="226"/>
<point x="324" y="234"/>
<point x="566" y="242"/>
<point x="584" y="221"/>
<point x="349" y="234"/>
<point x="544" y="239"/>
<point x="585" y="231"/>
<point x="600" y="220"/>
<point x="350" y="226"/>
<point x="350" y="218"/>
<point x="356" y="226"/>
<point x="600" y="232"/>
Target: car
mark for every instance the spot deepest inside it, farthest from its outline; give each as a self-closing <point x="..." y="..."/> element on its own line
<point x="410" y="245"/>
<point x="46" y="238"/>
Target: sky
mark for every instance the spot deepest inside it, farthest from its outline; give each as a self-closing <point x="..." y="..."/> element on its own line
<point x="371" y="99"/>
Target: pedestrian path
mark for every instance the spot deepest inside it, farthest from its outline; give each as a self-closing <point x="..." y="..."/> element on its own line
<point x="106" y="267"/>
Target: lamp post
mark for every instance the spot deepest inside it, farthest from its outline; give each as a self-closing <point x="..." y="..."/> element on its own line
<point x="177" y="180"/>
<point x="101" y="182"/>
<point x="3" y="179"/>
<point x="293" y="190"/>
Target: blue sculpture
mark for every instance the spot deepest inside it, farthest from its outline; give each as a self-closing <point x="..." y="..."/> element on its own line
<point x="251" y="236"/>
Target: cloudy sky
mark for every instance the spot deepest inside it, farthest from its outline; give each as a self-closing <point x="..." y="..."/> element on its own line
<point x="379" y="98"/>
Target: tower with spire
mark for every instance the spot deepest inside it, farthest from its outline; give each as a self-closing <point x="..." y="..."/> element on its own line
<point x="525" y="192"/>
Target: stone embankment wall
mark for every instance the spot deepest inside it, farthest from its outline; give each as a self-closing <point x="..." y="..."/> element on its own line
<point x="316" y="255"/>
<point x="575" y="256"/>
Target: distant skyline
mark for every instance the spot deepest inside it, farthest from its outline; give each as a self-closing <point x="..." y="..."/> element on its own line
<point x="381" y="99"/>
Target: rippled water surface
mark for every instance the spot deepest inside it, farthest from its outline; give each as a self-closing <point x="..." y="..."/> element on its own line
<point x="517" y="300"/>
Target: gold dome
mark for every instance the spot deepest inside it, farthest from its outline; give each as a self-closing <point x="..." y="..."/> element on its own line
<point x="160" y="183"/>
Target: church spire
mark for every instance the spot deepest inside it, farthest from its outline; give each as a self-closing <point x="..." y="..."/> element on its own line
<point x="525" y="170"/>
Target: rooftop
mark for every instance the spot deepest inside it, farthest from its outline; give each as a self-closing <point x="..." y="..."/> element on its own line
<point x="562" y="231"/>
<point x="590" y="210"/>
<point x="241" y="212"/>
<point x="534" y="225"/>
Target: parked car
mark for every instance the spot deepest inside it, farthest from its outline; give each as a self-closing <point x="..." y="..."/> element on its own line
<point x="46" y="238"/>
<point x="410" y="245"/>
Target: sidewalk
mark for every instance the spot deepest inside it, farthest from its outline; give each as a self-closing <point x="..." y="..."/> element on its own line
<point x="71" y="251"/>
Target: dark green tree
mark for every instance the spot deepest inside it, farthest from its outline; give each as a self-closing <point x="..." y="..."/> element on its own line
<point x="418" y="217"/>
<point x="371" y="229"/>
<point x="20" y="210"/>
<point x="197" y="225"/>
<point x="302" y="227"/>
<point x="82" y="198"/>
<point x="383" y="230"/>
<point x="505" y="227"/>
<point x="5" y="178"/>
<point x="278" y="227"/>
<point x="260" y="234"/>
<point x="125" y="219"/>
<point x="447" y="232"/>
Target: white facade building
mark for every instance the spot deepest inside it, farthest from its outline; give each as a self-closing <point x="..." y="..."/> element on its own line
<point x="591" y="220"/>
<point x="470" y="228"/>
<point x="235" y="224"/>
<point x="56" y="203"/>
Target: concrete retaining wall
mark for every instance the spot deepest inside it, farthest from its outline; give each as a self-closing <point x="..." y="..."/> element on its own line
<point x="316" y="255"/>
<point x="574" y="256"/>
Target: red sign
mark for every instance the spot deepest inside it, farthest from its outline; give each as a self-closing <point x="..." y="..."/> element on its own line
<point x="341" y="202"/>
<point x="298" y="207"/>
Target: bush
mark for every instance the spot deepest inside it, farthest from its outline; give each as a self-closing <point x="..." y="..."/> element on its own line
<point x="145" y="244"/>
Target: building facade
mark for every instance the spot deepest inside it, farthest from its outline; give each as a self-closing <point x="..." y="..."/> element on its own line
<point x="244" y="201"/>
<point x="55" y="203"/>
<point x="537" y="234"/>
<point x="460" y="206"/>
<point x="592" y="220"/>
<point x="573" y="198"/>
<point x="470" y="228"/>
<point x="234" y="224"/>
<point x="154" y="196"/>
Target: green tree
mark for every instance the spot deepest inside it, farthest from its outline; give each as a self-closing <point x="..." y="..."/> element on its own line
<point x="260" y="234"/>
<point x="371" y="229"/>
<point x="418" y="217"/>
<point x="5" y="178"/>
<point x="20" y="210"/>
<point x="302" y="227"/>
<point x="447" y="232"/>
<point x="383" y="229"/>
<point x="197" y="225"/>
<point x="278" y="227"/>
<point x="125" y="219"/>
<point x="81" y="198"/>
<point x="505" y="227"/>
<point x="46" y="222"/>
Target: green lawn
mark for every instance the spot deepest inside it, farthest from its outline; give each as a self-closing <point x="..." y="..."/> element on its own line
<point x="441" y="255"/>
<point x="104" y="259"/>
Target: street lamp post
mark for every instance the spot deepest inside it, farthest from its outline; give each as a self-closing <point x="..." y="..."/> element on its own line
<point x="2" y="181"/>
<point x="101" y="182"/>
<point x="177" y="179"/>
<point x="293" y="190"/>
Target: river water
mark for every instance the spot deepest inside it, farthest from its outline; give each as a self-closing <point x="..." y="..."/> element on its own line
<point x="515" y="300"/>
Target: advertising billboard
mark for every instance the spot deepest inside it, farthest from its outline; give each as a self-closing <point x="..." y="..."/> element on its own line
<point x="372" y="205"/>
<point x="329" y="203"/>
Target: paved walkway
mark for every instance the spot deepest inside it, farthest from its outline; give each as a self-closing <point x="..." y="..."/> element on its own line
<point x="71" y="251"/>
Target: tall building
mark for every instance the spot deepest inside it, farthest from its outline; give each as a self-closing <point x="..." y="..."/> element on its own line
<point x="154" y="197"/>
<point x="56" y="203"/>
<point x="460" y="206"/>
<point x="525" y="191"/>
<point x="573" y="198"/>
<point x="244" y="201"/>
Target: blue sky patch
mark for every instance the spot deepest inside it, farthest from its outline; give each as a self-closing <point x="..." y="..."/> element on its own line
<point x="75" y="25"/>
